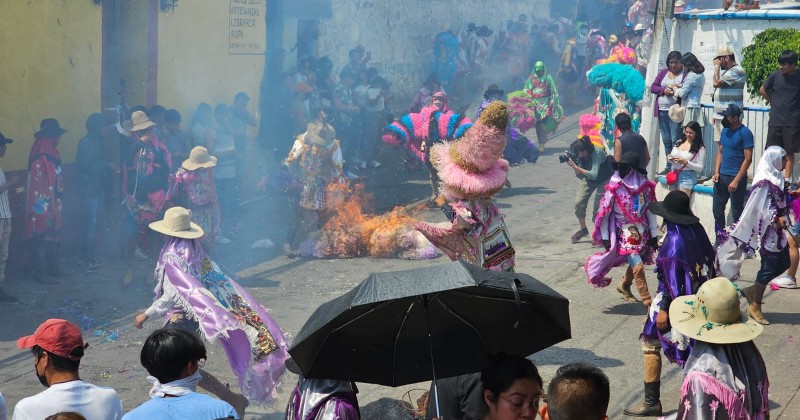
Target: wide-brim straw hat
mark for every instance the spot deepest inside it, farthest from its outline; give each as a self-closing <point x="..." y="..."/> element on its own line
<point x="199" y="158"/>
<point x="177" y="222"/>
<point x="140" y="121"/>
<point x="713" y="315"/>
<point x="675" y="208"/>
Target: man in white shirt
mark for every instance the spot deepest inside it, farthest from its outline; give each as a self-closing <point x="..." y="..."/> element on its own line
<point x="5" y="221"/>
<point x="57" y="347"/>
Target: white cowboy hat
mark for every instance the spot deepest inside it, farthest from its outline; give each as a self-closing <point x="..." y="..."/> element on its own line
<point x="139" y="121"/>
<point x="177" y="222"/>
<point x="199" y="158"/>
<point x="713" y="315"/>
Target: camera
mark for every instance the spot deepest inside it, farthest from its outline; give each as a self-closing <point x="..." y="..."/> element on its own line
<point x="569" y="154"/>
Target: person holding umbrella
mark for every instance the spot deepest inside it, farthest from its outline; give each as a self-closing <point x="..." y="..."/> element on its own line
<point x="192" y="293"/>
<point x="685" y="261"/>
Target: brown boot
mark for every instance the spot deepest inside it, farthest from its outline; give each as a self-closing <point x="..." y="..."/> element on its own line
<point x="624" y="286"/>
<point x="641" y="284"/>
<point x="651" y="406"/>
<point x="754" y="294"/>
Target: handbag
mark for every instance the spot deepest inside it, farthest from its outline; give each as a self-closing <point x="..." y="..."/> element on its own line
<point x="677" y="112"/>
<point x="672" y="176"/>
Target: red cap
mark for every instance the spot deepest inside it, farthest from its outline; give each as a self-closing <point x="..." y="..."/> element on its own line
<point x="56" y="336"/>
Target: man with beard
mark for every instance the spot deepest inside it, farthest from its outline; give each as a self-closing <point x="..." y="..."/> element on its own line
<point x="58" y="347"/>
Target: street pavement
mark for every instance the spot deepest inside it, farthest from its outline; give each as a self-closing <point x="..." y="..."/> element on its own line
<point x="540" y="216"/>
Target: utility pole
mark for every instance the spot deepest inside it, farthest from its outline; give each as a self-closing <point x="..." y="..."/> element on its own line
<point x="659" y="48"/>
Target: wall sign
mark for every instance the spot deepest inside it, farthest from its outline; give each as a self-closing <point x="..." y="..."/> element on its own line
<point x="247" y="32"/>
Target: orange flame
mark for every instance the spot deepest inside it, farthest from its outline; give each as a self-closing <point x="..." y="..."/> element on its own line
<point x="349" y="232"/>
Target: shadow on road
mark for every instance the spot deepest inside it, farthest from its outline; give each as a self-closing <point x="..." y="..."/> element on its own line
<point x="626" y="308"/>
<point x="783" y="318"/>
<point x="560" y="356"/>
<point x="515" y="191"/>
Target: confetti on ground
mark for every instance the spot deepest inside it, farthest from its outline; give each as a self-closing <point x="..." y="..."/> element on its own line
<point x="790" y="340"/>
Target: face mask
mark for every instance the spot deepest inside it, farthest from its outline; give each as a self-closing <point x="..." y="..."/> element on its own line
<point x="726" y="123"/>
<point x="42" y="378"/>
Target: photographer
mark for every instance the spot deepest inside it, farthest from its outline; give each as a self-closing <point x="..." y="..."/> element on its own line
<point x="593" y="167"/>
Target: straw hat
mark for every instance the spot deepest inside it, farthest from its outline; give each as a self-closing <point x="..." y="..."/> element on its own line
<point x="713" y="315"/>
<point x="724" y="51"/>
<point x="199" y="158"/>
<point x="139" y="121"/>
<point x="177" y="222"/>
<point x="612" y="39"/>
<point x="320" y="133"/>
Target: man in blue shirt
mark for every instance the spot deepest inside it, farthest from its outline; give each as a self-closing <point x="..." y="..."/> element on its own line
<point x="174" y="357"/>
<point x="734" y="156"/>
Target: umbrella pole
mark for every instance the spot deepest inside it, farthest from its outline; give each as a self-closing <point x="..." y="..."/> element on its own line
<point x="433" y="364"/>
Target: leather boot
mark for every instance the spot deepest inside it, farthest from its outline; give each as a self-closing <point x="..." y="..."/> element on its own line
<point x="624" y="286"/>
<point x="754" y="294"/>
<point x="641" y="284"/>
<point x="651" y="406"/>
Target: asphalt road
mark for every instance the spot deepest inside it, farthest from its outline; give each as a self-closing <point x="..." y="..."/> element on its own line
<point x="539" y="209"/>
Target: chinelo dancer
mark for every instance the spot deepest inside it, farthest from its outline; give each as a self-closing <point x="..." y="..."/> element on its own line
<point x="685" y="261"/>
<point x="194" y="187"/>
<point x="626" y="228"/>
<point x="761" y="227"/>
<point x="194" y="294"/>
<point x="545" y="101"/>
<point x="473" y="171"/>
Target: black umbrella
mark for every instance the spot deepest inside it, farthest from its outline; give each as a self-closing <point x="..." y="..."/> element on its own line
<point x="393" y="327"/>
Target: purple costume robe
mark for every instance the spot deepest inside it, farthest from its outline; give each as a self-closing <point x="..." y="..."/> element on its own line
<point x="685" y="261"/>
<point x="323" y="399"/>
<point x="224" y="311"/>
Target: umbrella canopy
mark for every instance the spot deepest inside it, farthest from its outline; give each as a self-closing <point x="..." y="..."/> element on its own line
<point x="387" y="329"/>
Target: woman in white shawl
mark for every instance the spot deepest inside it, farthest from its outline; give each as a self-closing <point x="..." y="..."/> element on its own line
<point x="760" y="228"/>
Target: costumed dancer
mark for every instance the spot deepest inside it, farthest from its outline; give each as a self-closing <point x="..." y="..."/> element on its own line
<point x="725" y="376"/>
<point x="321" y="399"/>
<point x="417" y="132"/>
<point x="546" y="104"/>
<point x="619" y="54"/>
<point x="621" y="87"/>
<point x="626" y="228"/>
<point x="685" y="261"/>
<point x="193" y="294"/>
<point x="761" y="227"/>
<point x="596" y="49"/>
<point x="316" y="162"/>
<point x="473" y="171"/>
<point x="193" y="187"/>
<point x="445" y="58"/>
<point x="144" y="183"/>
<point x="45" y="191"/>
<point x="519" y="149"/>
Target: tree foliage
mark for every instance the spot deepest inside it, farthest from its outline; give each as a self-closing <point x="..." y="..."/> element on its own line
<point x="761" y="56"/>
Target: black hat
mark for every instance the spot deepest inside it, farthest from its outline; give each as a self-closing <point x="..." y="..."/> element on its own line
<point x="471" y="27"/>
<point x="484" y="31"/>
<point x="49" y="127"/>
<point x="675" y="208"/>
<point x="732" y="110"/>
<point x="5" y="140"/>
<point x="630" y="159"/>
<point x="493" y="90"/>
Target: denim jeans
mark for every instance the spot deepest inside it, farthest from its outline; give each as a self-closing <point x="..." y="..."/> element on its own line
<point x="633" y="260"/>
<point x="90" y="227"/>
<point x="670" y="133"/>
<point x="721" y="196"/>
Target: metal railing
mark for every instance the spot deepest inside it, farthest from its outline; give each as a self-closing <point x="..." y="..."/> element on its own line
<point x="755" y="118"/>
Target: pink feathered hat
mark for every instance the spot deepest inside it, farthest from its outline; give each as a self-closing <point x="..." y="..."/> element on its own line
<point x="473" y="166"/>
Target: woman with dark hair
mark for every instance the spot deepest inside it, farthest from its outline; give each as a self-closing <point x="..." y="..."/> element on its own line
<point x="512" y="387"/>
<point x="688" y="157"/>
<point x="664" y="99"/>
<point x="691" y="89"/>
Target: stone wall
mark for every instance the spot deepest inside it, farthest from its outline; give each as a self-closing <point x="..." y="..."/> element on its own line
<point x="400" y="33"/>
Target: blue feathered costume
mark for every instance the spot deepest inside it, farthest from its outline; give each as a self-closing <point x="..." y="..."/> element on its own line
<point x="621" y="87"/>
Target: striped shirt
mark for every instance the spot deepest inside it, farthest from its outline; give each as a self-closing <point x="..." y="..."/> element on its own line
<point x="732" y="92"/>
<point x="5" y="206"/>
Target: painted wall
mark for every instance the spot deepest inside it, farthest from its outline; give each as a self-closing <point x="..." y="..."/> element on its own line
<point x="400" y="34"/>
<point x="208" y="50"/>
<point x="133" y="67"/>
<point x="51" y="64"/>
